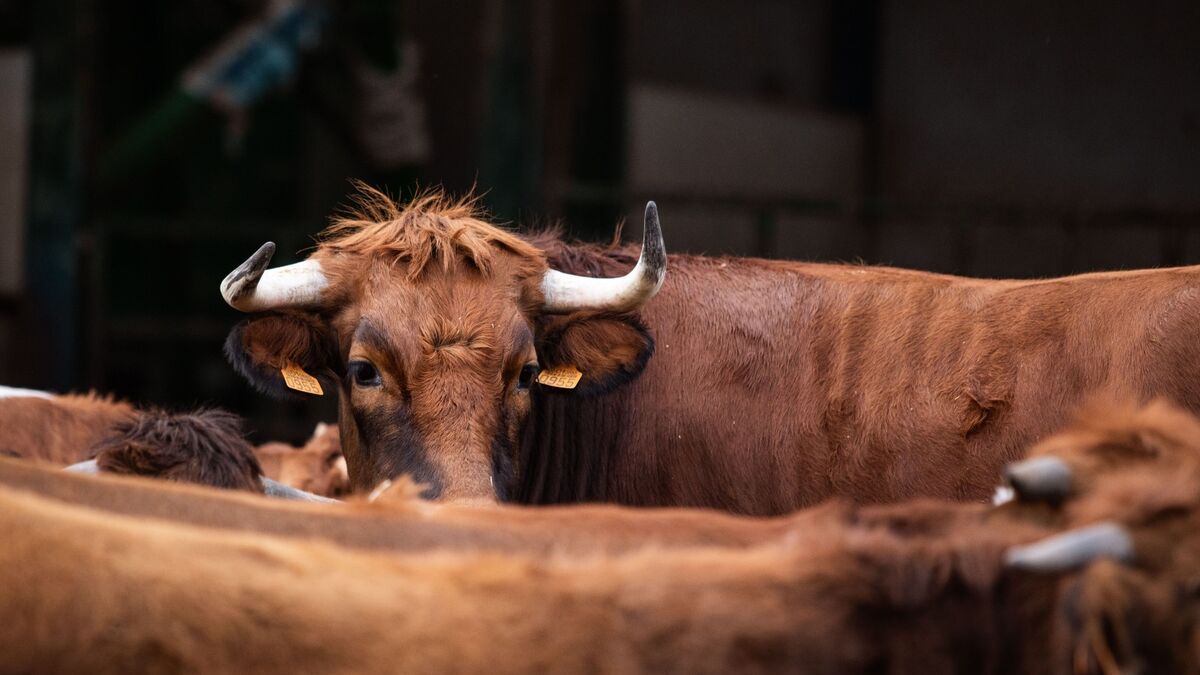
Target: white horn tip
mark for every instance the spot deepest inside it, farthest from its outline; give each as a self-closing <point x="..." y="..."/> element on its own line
<point x="243" y="280"/>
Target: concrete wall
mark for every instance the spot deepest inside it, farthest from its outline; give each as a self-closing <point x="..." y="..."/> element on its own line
<point x="1036" y="139"/>
<point x="1042" y="105"/>
<point x="16" y="72"/>
<point x="773" y="49"/>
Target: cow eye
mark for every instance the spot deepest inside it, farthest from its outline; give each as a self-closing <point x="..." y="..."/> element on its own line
<point x="528" y="372"/>
<point x="364" y="374"/>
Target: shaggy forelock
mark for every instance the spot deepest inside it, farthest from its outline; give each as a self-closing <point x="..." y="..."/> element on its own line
<point x="432" y="228"/>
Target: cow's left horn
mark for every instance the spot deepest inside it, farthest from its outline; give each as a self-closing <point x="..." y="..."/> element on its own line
<point x="568" y="292"/>
<point x="1045" y="479"/>
<point x="254" y="288"/>
<point x="1074" y="549"/>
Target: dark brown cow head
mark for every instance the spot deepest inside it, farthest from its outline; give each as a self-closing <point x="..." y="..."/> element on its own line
<point x="1126" y="480"/>
<point x="433" y="324"/>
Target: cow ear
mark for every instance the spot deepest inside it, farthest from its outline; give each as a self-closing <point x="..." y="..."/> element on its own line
<point x="608" y="349"/>
<point x="261" y="347"/>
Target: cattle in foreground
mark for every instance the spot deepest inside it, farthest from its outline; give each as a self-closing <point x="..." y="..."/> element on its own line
<point x="205" y="447"/>
<point x="317" y="467"/>
<point x="895" y="588"/>
<point x="102" y="433"/>
<point x="407" y="524"/>
<point x="56" y="429"/>
<point x="749" y="385"/>
<point x="1127" y="480"/>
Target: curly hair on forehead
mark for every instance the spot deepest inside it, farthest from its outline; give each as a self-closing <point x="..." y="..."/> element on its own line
<point x="431" y="228"/>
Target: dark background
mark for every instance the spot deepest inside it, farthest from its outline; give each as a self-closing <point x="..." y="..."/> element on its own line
<point x="1001" y="139"/>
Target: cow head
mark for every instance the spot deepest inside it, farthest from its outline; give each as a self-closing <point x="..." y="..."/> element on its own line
<point x="432" y="325"/>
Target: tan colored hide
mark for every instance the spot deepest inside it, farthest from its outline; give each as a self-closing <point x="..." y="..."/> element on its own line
<point x="91" y="591"/>
<point x="58" y="430"/>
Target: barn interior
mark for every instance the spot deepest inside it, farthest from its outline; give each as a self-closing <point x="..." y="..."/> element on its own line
<point x="146" y="149"/>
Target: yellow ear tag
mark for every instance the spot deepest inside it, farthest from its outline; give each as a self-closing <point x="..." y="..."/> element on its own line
<point x="295" y="378"/>
<point x="563" y="377"/>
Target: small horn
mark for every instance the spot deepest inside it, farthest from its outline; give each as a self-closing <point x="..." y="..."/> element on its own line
<point x="1046" y="479"/>
<point x="1074" y="549"/>
<point x="90" y="467"/>
<point x="254" y="288"/>
<point x="567" y="292"/>
<point x="272" y="488"/>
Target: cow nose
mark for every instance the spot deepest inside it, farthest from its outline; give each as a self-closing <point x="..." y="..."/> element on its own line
<point x="1045" y="479"/>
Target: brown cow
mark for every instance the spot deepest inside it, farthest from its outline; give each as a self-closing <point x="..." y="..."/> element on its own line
<point x="204" y="447"/>
<point x="851" y="600"/>
<point x="68" y="429"/>
<point x="772" y="385"/>
<point x="1129" y="478"/>
<point x="850" y="595"/>
<point x="1107" y="437"/>
<point x="905" y="588"/>
<point x="61" y="430"/>
<point x="406" y="525"/>
<point x="318" y="467"/>
<point x="1138" y="610"/>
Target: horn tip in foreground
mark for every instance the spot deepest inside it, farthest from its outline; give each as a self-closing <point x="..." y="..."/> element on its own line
<point x="1073" y="549"/>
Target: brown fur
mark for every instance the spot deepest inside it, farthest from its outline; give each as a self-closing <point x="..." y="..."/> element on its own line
<point x="403" y="524"/>
<point x="204" y="447"/>
<point x="776" y="384"/>
<point x="432" y="228"/>
<point x="773" y="385"/>
<point x="60" y="430"/>
<point x="1139" y="466"/>
<point x="1108" y="437"/>
<point x="904" y="588"/>
<point x="849" y="600"/>
<point x="449" y="340"/>
<point x="318" y="467"/>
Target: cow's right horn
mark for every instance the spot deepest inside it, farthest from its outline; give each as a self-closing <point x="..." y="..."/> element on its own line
<point x="1073" y="549"/>
<point x="568" y="292"/>
<point x="254" y="288"/>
